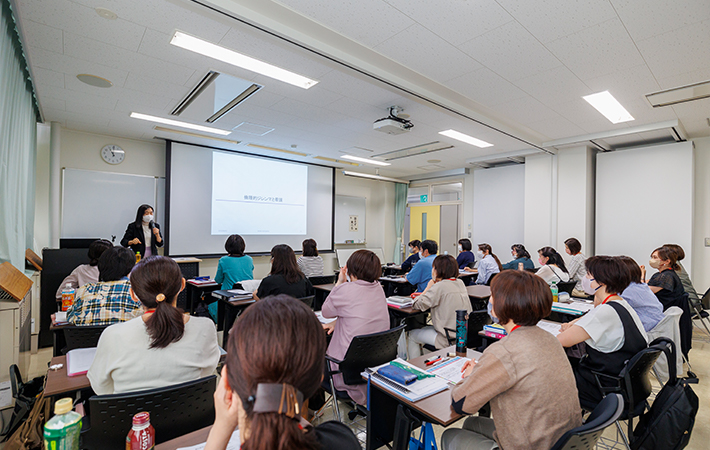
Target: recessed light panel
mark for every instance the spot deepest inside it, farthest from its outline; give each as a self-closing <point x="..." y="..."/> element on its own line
<point x="228" y="56"/>
<point x="610" y="107"/>
<point x="365" y="160"/>
<point x="177" y="123"/>
<point x="466" y="138"/>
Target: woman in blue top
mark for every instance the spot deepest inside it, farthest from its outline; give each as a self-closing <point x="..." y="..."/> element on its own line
<point x="465" y="256"/>
<point x="521" y="256"/>
<point x="233" y="268"/>
<point x="488" y="265"/>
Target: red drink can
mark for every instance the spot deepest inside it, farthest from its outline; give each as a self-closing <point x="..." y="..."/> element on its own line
<point x="142" y="435"/>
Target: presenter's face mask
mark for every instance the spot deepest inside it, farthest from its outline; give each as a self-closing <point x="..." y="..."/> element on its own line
<point x="147" y="218"/>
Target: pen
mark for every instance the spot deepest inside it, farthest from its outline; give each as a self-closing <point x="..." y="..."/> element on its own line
<point x="438" y="363"/>
<point x="429" y="362"/>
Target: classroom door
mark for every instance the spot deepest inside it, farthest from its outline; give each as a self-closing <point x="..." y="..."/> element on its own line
<point x="424" y="222"/>
<point x="449" y="229"/>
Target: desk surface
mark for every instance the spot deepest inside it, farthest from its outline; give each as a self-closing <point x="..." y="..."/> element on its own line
<point x="438" y="406"/>
<point x="194" y="283"/>
<point x="194" y="438"/>
<point x="59" y="383"/>
<point x="479" y="291"/>
<point x="187" y="260"/>
<point x="407" y="310"/>
<point x="324" y="287"/>
<point x="394" y="279"/>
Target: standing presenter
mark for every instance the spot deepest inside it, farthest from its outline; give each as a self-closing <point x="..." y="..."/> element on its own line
<point x="143" y="235"/>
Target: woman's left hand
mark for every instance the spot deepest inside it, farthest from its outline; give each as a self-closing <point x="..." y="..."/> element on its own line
<point x="156" y="231"/>
<point x="468" y="368"/>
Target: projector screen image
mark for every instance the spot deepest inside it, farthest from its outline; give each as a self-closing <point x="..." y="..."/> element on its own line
<point x="254" y="204"/>
<point x="213" y="193"/>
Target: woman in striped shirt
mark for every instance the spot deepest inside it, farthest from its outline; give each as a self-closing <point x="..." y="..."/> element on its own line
<point x="310" y="263"/>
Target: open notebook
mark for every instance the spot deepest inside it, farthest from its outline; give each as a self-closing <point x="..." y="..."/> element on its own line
<point x="79" y="360"/>
<point x="416" y="391"/>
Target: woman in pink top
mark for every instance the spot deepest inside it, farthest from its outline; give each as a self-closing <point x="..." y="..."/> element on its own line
<point x="358" y="303"/>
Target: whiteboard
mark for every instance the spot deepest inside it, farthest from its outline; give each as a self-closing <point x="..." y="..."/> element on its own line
<point x="347" y="209"/>
<point x="343" y="254"/>
<point x="101" y="204"/>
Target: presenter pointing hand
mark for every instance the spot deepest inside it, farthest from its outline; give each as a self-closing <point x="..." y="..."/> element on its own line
<point x="143" y="235"/>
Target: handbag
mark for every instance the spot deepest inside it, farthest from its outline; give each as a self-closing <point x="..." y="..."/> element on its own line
<point x="30" y="434"/>
<point x="426" y="441"/>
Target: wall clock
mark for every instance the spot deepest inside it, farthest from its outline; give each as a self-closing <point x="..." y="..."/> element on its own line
<point x="113" y="154"/>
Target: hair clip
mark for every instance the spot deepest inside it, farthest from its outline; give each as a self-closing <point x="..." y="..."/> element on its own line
<point x="160" y="297"/>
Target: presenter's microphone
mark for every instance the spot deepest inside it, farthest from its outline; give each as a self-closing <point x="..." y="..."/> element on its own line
<point x="151" y="225"/>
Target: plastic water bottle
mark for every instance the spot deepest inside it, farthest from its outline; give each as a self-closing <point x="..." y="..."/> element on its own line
<point x="521" y="266"/>
<point x="555" y="291"/>
<point x="61" y="432"/>
<point x="68" y="294"/>
<point x="138" y="257"/>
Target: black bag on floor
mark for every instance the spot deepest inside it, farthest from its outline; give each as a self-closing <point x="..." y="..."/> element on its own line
<point x="25" y="395"/>
<point x="669" y="422"/>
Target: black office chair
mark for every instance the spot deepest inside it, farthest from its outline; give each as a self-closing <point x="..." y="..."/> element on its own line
<point x="323" y="279"/>
<point x="174" y="411"/>
<point x="488" y="283"/>
<point x="566" y="286"/>
<point x="699" y="312"/>
<point x="308" y="300"/>
<point x="586" y="436"/>
<point x="471" y="265"/>
<point x="368" y="350"/>
<point x="81" y="336"/>
<point x="476" y="321"/>
<point x="633" y="383"/>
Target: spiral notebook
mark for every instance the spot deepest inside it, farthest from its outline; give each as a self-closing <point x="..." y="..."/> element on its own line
<point x="416" y="391"/>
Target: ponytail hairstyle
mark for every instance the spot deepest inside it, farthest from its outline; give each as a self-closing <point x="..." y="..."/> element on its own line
<point x="553" y="257"/>
<point x="487" y="248"/>
<point x="679" y="254"/>
<point x="520" y="251"/>
<point x="266" y="345"/>
<point x="157" y="281"/>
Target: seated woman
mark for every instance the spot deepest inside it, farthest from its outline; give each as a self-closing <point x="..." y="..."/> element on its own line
<point x="285" y="276"/>
<point x="444" y="294"/>
<point x="162" y="347"/>
<point x="86" y="273"/>
<point x="525" y="376"/>
<point x="233" y="268"/>
<point x="414" y="249"/>
<point x="360" y="307"/>
<point x="520" y="255"/>
<point x="553" y="266"/>
<point x="576" y="265"/>
<point x="488" y="264"/>
<point x="108" y="301"/>
<point x="683" y="274"/>
<point x="310" y="263"/>
<point x="612" y="330"/>
<point x="640" y="296"/>
<point x="274" y="362"/>
<point x="465" y="258"/>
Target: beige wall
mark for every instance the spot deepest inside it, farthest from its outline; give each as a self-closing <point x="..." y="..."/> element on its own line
<point x="701" y="226"/>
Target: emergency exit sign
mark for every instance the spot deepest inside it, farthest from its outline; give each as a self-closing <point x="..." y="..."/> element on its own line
<point x="423" y="198"/>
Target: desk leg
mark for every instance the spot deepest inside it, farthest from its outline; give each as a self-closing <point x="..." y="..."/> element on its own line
<point x="380" y="419"/>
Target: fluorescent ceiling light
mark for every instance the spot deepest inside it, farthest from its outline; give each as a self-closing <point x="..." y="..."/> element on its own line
<point x="680" y="94"/>
<point x="220" y="53"/>
<point x="606" y="104"/>
<point x="365" y="160"/>
<point x="190" y="133"/>
<point x="177" y="123"/>
<point x="373" y="177"/>
<point x="466" y="138"/>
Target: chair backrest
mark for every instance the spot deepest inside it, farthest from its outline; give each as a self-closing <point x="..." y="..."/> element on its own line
<point x="323" y="279"/>
<point x="636" y="385"/>
<point x="669" y="328"/>
<point x="174" y="411"/>
<point x="369" y="350"/>
<point x="488" y="283"/>
<point x="476" y="321"/>
<point x="308" y="300"/>
<point x="82" y="336"/>
<point x="566" y="286"/>
<point x="587" y="435"/>
<point x="471" y="265"/>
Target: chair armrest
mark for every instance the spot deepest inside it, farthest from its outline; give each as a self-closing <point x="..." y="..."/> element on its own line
<point x="331" y="359"/>
<point x="607" y="389"/>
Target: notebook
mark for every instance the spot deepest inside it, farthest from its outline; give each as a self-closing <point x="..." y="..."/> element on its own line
<point x="416" y="391"/>
<point x="79" y="360"/>
<point x="319" y="315"/>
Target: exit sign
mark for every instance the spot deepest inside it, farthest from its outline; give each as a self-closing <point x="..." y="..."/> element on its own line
<point x="423" y="198"/>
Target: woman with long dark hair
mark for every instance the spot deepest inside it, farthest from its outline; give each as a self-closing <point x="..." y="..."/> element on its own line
<point x="162" y="347"/>
<point x="285" y="276"/>
<point x="520" y="255"/>
<point x="488" y="265"/>
<point x="143" y="234"/>
<point x="275" y="361"/>
<point x="553" y="268"/>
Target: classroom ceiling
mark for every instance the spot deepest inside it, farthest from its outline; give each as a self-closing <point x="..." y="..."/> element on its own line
<point x="508" y="72"/>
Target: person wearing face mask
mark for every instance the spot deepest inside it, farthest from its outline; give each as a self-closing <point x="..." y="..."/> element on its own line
<point x="421" y="272"/>
<point x="465" y="257"/>
<point x="553" y="266"/>
<point x="414" y="249"/>
<point x="640" y="296"/>
<point x="143" y="234"/>
<point x="488" y="264"/>
<point x="520" y="255"/>
<point x="612" y="330"/>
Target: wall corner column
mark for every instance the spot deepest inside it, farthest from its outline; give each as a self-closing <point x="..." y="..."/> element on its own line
<point x="55" y="184"/>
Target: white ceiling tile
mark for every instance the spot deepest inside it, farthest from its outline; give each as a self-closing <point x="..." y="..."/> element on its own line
<point x="679" y="51"/>
<point x="649" y="18"/>
<point x="43" y="36"/>
<point x="84" y="21"/>
<point x="76" y="105"/>
<point x="370" y="92"/>
<point x="155" y="86"/>
<point x="455" y="22"/>
<point x="697" y="128"/>
<point x="625" y="83"/>
<point x="548" y="20"/>
<point x="486" y="87"/>
<point x="316" y="95"/>
<point x="53" y="115"/>
<point x="369" y="22"/>
<point x="74" y="66"/>
<point x="697" y="109"/>
<point x="423" y="51"/>
<point x="696" y="76"/>
<point x="48" y="77"/>
<point x="130" y="100"/>
<point x="597" y="50"/>
<point x="556" y="128"/>
<point x="52" y="103"/>
<point x="555" y="86"/>
<point x="526" y="110"/>
<point x="511" y="51"/>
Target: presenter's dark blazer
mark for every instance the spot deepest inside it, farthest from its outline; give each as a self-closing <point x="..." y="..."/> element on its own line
<point x="136" y="231"/>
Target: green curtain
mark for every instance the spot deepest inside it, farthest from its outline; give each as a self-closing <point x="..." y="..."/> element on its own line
<point x="400" y="208"/>
<point x="18" y="134"/>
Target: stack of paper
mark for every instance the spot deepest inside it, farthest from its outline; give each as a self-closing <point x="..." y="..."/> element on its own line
<point x="239" y="292"/>
<point x="399" y="301"/>
<point x="551" y="327"/>
<point x="79" y="360"/>
<point x="416" y="391"/>
<point x="449" y="370"/>
<point x="319" y="315"/>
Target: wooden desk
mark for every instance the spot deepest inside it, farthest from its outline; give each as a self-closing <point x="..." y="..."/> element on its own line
<point x="59" y="383"/>
<point x="190" y="268"/>
<point x="478" y="292"/>
<point x="398" y="286"/>
<point x="190" y="439"/>
<point x="384" y="405"/>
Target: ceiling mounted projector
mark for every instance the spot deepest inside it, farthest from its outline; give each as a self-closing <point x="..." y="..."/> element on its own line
<point x="396" y="123"/>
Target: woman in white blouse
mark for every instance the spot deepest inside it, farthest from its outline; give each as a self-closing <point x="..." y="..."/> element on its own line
<point x="488" y="264"/>
<point x="576" y="265"/>
<point x="553" y="266"/>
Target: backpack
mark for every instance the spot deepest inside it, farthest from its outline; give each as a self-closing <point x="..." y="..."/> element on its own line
<point x="667" y="425"/>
